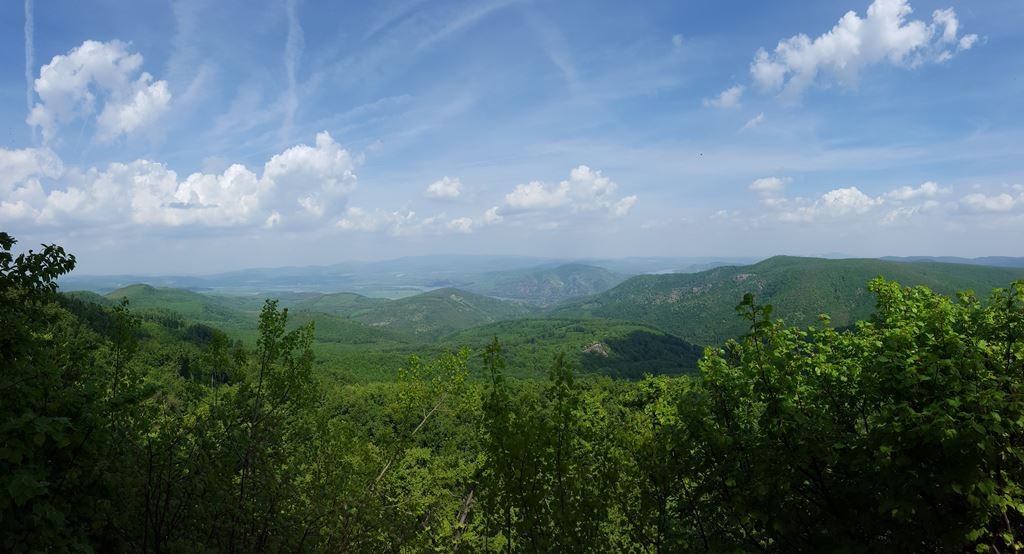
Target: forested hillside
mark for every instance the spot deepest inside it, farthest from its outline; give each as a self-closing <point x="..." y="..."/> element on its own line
<point x="597" y="346"/>
<point x="365" y="339"/>
<point x="546" y="286"/>
<point x="698" y="307"/>
<point x="138" y="430"/>
<point x="439" y="312"/>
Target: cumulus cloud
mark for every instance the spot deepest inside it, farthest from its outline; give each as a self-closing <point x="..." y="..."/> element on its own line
<point x="834" y="203"/>
<point x="446" y="188"/>
<point x="586" y="190"/>
<point x="299" y="186"/>
<point x="317" y="178"/>
<point x="101" y="79"/>
<point x="17" y="166"/>
<point x="885" y="35"/>
<point x="728" y="98"/>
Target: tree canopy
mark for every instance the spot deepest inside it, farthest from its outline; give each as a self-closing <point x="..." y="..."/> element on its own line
<point x="138" y="431"/>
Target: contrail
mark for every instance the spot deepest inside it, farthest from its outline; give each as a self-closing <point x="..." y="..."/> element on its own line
<point x="29" y="61"/>
<point x="292" y="53"/>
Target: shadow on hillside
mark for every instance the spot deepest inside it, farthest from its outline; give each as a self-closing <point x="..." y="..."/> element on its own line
<point x="642" y="352"/>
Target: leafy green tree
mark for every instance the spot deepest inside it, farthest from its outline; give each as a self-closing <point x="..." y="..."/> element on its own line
<point x="903" y="434"/>
<point x="548" y="468"/>
<point x="61" y="413"/>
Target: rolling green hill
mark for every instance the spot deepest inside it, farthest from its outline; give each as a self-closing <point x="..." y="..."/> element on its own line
<point x="607" y="347"/>
<point x="698" y="307"/>
<point x="436" y="313"/>
<point x="89" y="296"/>
<point x="344" y="348"/>
<point x="342" y="303"/>
<point x="545" y="286"/>
<point x="191" y="305"/>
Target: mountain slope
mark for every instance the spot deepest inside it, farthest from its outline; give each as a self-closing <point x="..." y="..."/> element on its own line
<point x="544" y="286"/>
<point x="439" y="312"/>
<point x="608" y="347"/>
<point x="191" y="305"/>
<point x="699" y="307"/>
<point x="341" y="303"/>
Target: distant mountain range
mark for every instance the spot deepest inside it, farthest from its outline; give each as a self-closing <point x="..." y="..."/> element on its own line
<point x="994" y="261"/>
<point x="534" y="280"/>
<point x="699" y="307"/>
<point x="609" y="323"/>
<point x="546" y="286"/>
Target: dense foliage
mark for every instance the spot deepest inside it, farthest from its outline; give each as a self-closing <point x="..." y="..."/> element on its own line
<point x="126" y="431"/>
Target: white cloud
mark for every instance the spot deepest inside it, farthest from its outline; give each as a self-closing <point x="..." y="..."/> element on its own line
<point x="845" y="202"/>
<point x="854" y="43"/>
<point x="317" y="178"/>
<point x="728" y="98"/>
<point x="73" y="86"/>
<point x="586" y="190"/>
<point x="405" y="222"/>
<point x="17" y="166"/>
<point x="925" y="190"/>
<point x="994" y="203"/>
<point x="395" y="223"/>
<point x="835" y="203"/>
<point x="158" y="198"/>
<point x="535" y="195"/>
<point x="967" y="42"/>
<point x="492" y="216"/>
<point x="768" y="185"/>
<point x="947" y="19"/>
<point x="753" y="122"/>
<point x="622" y="207"/>
<point x="297" y="187"/>
<point x="904" y="212"/>
<point x="446" y="188"/>
<point x="461" y="225"/>
<point x="272" y="221"/>
<point x="677" y="41"/>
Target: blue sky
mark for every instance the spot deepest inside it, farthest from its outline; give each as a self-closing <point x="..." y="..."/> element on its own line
<point x="197" y="136"/>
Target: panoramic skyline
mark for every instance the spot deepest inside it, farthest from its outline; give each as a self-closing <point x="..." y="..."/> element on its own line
<point x="194" y="137"/>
